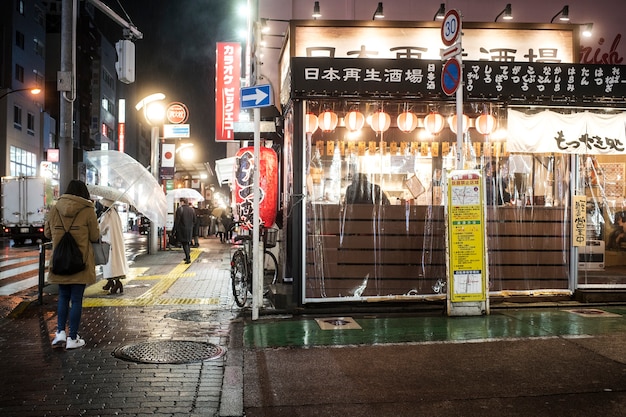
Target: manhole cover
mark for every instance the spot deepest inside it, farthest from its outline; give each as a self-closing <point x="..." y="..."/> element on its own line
<point x="169" y="351"/>
<point x="191" y="315"/>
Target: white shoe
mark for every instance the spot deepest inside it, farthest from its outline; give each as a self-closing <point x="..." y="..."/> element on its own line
<point x="74" y="343"/>
<point x="59" y="339"/>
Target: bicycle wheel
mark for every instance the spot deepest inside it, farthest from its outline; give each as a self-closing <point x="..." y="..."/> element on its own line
<point x="270" y="267"/>
<point x="239" y="277"/>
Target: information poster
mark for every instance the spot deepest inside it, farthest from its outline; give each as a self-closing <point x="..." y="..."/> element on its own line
<point x="467" y="236"/>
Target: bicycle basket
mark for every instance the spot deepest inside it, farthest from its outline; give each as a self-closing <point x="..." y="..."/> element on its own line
<point x="269" y="237"/>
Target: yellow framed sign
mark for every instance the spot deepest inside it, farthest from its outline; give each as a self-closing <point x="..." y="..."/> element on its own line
<point x="466" y="228"/>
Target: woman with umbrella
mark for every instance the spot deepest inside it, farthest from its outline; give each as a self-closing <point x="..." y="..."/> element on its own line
<point x="117" y="268"/>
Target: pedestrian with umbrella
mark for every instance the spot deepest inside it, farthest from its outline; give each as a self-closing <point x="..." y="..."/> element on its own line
<point x="184" y="220"/>
<point x="116" y="268"/>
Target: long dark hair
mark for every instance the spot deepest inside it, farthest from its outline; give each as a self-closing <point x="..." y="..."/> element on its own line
<point x="78" y="188"/>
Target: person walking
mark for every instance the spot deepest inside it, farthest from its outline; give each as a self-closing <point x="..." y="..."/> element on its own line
<point x="183" y="224"/>
<point x="76" y="209"/>
<point x="111" y="228"/>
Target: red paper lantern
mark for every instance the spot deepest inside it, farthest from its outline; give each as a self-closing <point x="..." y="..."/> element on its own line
<point x="407" y="121"/>
<point x="434" y="123"/>
<point x="485" y="124"/>
<point x="380" y="121"/>
<point x="354" y="120"/>
<point x="452" y="121"/>
<point x="327" y="120"/>
<point x="310" y="123"/>
<point x="268" y="185"/>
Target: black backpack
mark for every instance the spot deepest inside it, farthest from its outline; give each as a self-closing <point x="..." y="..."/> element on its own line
<point x="67" y="259"/>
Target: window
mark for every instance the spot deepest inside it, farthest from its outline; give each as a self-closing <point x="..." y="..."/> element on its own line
<point x="19" y="73"/>
<point x="20" y="7"/>
<point x="19" y="39"/>
<point x="17" y="117"/>
<point x="22" y="162"/>
<point x="108" y="79"/>
<point x="39" y="78"/>
<point x="39" y="48"/>
<point x="40" y="16"/>
<point x="30" y="124"/>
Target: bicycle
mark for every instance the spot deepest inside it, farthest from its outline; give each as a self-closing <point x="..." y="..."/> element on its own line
<point x="241" y="263"/>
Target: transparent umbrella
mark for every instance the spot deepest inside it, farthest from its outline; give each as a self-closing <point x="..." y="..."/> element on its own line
<point x="188" y="193"/>
<point x="110" y="193"/>
<point x="124" y="173"/>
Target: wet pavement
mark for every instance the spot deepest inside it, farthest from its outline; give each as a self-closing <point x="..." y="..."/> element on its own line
<point x="175" y="344"/>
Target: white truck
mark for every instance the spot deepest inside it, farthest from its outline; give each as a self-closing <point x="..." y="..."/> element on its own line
<point x="25" y="203"/>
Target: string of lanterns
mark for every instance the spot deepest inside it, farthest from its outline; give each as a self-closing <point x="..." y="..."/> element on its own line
<point x="406" y="121"/>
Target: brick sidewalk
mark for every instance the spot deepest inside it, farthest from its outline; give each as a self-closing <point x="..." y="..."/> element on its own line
<point x="185" y="303"/>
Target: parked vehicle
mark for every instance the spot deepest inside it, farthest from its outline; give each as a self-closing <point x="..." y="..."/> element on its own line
<point x="25" y="204"/>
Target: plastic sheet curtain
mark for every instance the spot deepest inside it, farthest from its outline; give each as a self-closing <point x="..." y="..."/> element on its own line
<point x="375" y="221"/>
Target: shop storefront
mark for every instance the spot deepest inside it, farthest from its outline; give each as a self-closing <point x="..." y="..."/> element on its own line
<point x="370" y="142"/>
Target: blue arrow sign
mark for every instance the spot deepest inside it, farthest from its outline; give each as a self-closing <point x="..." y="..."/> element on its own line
<point x="256" y="96"/>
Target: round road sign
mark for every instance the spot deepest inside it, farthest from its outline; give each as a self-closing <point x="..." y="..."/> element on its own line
<point x="451" y="76"/>
<point x="177" y="113"/>
<point x="450" y="27"/>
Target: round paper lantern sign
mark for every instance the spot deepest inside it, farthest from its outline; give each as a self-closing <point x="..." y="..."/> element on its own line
<point x="328" y="120"/>
<point x="434" y="123"/>
<point x="485" y="124"/>
<point x="354" y="120"/>
<point x="380" y="121"/>
<point x="407" y="121"/>
<point x="310" y="123"/>
<point x="453" y="122"/>
<point x="268" y="186"/>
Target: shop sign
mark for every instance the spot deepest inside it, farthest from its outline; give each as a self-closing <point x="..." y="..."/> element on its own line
<point x="527" y="82"/>
<point x="227" y="84"/>
<point x="550" y="81"/>
<point x="532" y="43"/>
<point x="579" y="220"/>
<point x="366" y="76"/>
<point x="467" y="231"/>
<point x="582" y="133"/>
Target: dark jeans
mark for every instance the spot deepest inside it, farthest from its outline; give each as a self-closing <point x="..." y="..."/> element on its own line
<point x="70" y="303"/>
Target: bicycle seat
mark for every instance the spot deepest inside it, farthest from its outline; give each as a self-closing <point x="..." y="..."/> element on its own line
<point x="240" y="238"/>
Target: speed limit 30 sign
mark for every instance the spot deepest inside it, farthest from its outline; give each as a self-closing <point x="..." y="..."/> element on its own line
<point x="450" y="27"/>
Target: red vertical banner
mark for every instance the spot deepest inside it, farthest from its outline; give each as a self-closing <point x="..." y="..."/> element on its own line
<point x="268" y="186"/>
<point x="227" y="85"/>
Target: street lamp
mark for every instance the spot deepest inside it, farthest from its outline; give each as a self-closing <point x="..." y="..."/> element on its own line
<point x="154" y="113"/>
<point x="33" y="91"/>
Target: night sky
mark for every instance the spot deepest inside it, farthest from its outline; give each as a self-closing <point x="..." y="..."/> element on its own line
<point x="177" y="57"/>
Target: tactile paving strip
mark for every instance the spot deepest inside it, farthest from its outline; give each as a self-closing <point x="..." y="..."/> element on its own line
<point x="169" y="351"/>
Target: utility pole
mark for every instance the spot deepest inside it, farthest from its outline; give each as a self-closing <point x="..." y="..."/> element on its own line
<point x="66" y="81"/>
<point x="66" y="85"/>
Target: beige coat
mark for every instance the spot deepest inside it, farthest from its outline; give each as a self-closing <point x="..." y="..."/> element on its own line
<point x="85" y="230"/>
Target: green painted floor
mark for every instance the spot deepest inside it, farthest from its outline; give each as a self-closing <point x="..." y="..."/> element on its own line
<point x="376" y="329"/>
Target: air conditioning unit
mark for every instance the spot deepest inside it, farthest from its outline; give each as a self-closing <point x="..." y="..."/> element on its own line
<point x="591" y="256"/>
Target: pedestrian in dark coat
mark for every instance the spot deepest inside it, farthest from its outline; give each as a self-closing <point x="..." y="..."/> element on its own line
<point x="183" y="224"/>
<point x="73" y="206"/>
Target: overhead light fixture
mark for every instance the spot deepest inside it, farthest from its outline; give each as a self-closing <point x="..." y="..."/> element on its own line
<point x="563" y="13"/>
<point x="378" y="14"/>
<point x="506" y="13"/>
<point x="587" y="30"/>
<point x="316" y="10"/>
<point x="441" y="12"/>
